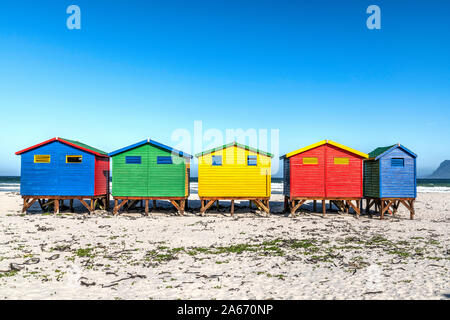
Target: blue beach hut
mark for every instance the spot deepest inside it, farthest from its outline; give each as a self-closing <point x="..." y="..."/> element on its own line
<point x="390" y="179"/>
<point x="60" y="169"/>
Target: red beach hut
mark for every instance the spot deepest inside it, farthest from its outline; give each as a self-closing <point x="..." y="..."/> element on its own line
<point x="324" y="171"/>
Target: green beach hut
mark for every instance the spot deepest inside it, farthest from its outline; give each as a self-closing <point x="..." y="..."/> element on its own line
<point x="149" y="170"/>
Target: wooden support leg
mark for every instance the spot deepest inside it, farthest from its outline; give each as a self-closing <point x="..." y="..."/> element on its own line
<point x="232" y="208"/>
<point x="182" y="204"/>
<point x="154" y="204"/>
<point x="261" y="206"/>
<point x="206" y="207"/>
<point x="187" y="204"/>
<point x="202" y="206"/>
<point x="71" y="205"/>
<point x="268" y="207"/>
<point x="381" y="210"/>
<point x="285" y="203"/>
<point x="107" y="202"/>
<point x="250" y="204"/>
<point x="359" y="206"/>
<point x="315" y="205"/>
<point x="146" y="207"/>
<point x="324" y="208"/>
<point x="296" y="206"/>
<point x="116" y="203"/>
<point x="24" y="206"/>
<point x="412" y="211"/>
<point x="218" y="205"/>
<point x="56" y="211"/>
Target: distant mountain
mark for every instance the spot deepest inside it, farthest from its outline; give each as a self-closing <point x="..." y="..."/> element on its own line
<point x="443" y="172"/>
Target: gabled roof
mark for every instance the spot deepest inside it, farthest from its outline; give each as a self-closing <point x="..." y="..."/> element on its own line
<point x="237" y="145"/>
<point x="321" y="143"/>
<point x="153" y="142"/>
<point x="72" y="143"/>
<point x="382" y="151"/>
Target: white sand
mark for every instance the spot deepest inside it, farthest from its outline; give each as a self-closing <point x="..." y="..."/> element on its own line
<point x="169" y="257"/>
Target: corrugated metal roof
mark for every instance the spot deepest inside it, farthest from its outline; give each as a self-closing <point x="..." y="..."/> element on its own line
<point x="237" y="145"/>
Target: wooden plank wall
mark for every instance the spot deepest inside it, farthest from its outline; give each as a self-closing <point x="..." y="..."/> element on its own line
<point x="234" y="178"/>
<point x="57" y="178"/>
<point x="286" y="177"/>
<point x="148" y="179"/>
<point x="371" y="179"/>
<point x="398" y="182"/>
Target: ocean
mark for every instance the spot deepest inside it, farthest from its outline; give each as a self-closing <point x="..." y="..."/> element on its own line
<point x="12" y="184"/>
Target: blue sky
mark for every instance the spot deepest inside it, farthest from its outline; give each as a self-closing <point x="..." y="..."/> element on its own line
<point x="311" y="69"/>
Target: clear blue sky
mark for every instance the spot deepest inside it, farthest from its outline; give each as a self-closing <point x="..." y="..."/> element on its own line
<point x="141" y="69"/>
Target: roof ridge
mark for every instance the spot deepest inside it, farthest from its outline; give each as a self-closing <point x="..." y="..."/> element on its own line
<point x="237" y="144"/>
<point x="321" y="143"/>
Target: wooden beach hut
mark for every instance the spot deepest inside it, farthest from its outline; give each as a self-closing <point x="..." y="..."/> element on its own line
<point x="390" y="179"/>
<point x="323" y="171"/>
<point x="149" y="170"/>
<point x="234" y="172"/>
<point x="61" y="169"/>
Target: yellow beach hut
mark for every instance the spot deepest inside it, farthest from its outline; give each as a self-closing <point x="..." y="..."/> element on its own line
<point x="234" y="172"/>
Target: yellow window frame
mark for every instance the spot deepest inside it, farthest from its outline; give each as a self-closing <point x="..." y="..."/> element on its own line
<point x="42" y="158"/>
<point x="75" y="156"/>
<point x="310" y="160"/>
<point x="341" y="160"/>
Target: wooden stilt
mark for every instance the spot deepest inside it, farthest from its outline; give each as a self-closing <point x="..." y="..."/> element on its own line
<point x="324" y="208"/>
<point x="232" y="208"/>
<point x="296" y="206"/>
<point x="154" y="204"/>
<point x="315" y="205"/>
<point x="71" y="205"/>
<point x="146" y="207"/>
<point x="412" y="211"/>
<point x="56" y="211"/>
<point x="107" y="202"/>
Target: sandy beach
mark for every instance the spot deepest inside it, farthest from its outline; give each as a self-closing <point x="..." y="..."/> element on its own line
<point x="164" y="256"/>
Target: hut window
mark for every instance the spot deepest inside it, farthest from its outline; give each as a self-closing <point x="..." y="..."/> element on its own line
<point x="164" y="160"/>
<point x="341" y="161"/>
<point x="252" y="161"/>
<point x="216" y="160"/>
<point x="397" y="162"/>
<point x="74" y="159"/>
<point x="310" y="161"/>
<point x="133" y="159"/>
<point x="40" y="158"/>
